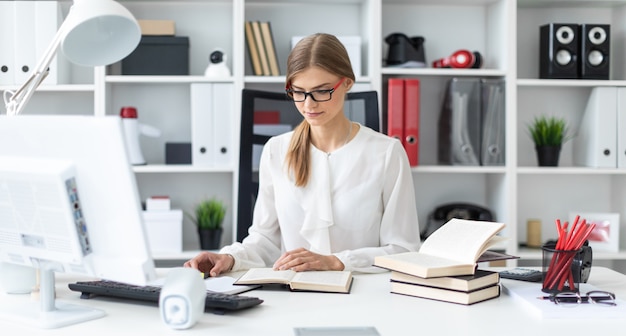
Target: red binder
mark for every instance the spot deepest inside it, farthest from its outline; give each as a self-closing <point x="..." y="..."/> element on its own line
<point x="395" y="108"/>
<point x="411" y="119"/>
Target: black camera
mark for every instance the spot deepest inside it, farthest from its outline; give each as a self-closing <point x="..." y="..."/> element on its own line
<point x="216" y="57"/>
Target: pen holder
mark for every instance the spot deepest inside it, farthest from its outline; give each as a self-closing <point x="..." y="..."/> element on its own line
<point x="561" y="270"/>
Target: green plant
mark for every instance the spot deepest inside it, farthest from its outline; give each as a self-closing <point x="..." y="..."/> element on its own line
<point x="548" y="131"/>
<point x="209" y="214"/>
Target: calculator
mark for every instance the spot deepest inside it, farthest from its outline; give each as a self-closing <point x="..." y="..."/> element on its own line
<point x="522" y="274"/>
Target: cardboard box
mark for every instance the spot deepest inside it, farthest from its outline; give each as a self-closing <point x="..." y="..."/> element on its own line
<point x="157" y="27"/>
<point x="164" y="230"/>
<point x="158" y="55"/>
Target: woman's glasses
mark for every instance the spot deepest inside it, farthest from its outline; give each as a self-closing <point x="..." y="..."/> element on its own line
<point x="316" y="95"/>
<point x="574" y="298"/>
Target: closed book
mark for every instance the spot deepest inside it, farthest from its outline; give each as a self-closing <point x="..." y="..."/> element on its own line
<point x="466" y="283"/>
<point x="270" y="48"/>
<point x="253" y="51"/>
<point x="453" y="249"/>
<point x="447" y="295"/>
<point x="258" y="38"/>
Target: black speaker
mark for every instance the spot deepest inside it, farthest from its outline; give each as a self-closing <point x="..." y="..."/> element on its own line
<point x="595" y="43"/>
<point x="558" y="51"/>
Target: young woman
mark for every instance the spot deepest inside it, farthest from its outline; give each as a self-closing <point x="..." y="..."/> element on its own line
<point x="333" y="194"/>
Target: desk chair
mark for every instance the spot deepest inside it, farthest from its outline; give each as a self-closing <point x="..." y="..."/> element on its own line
<point x="360" y="106"/>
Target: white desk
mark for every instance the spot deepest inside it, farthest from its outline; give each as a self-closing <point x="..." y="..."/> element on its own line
<point x="369" y="304"/>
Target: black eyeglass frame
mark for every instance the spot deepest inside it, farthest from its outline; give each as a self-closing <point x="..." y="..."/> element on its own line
<point x="594" y="296"/>
<point x="330" y="92"/>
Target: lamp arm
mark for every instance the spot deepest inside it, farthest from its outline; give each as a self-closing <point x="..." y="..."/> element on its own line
<point x="15" y="101"/>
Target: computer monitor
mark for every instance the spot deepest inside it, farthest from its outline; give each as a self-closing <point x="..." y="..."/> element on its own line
<point x="69" y="203"/>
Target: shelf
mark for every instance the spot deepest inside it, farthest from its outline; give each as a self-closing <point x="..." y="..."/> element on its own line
<point x="569" y="3"/>
<point x="443" y="72"/>
<point x="281" y="79"/>
<point x="180" y="169"/>
<point x="568" y="82"/>
<point x="459" y="169"/>
<point x="57" y="88"/>
<point x="505" y="32"/>
<point x="570" y="171"/>
<point x="165" y="79"/>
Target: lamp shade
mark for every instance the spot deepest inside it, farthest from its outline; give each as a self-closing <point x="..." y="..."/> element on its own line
<point x="99" y="32"/>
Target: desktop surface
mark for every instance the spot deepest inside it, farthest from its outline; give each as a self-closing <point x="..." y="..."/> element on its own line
<point x="369" y="304"/>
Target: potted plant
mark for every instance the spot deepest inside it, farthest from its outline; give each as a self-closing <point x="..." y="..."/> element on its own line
<point x="209" y="215"/>
<point x="548" y="134"/>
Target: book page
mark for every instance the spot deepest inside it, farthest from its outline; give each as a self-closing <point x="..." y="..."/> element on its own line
<point x="460" y="239"/>
<point x="266" y="275"/>
<point x="338" y="278"/>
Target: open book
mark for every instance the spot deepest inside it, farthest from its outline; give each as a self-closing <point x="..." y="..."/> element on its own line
<point x="452" y="250"/>
<point x="317" y="281"/>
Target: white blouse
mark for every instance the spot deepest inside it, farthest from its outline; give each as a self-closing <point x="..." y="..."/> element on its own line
<point x="359" y="203"/>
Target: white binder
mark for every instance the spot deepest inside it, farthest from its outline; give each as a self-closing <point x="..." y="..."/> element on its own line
<point x="595" y="144"/>
<point x="24" y="51"/>
<point x="7" y="25"/>
<point x="621" y="128"/>
<point x="223" y="113"/>
<point x="48" y="19"/>
<point x="211" y="122"/>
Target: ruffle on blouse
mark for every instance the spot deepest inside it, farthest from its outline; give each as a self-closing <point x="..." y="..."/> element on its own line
<point x="317" y="206"/>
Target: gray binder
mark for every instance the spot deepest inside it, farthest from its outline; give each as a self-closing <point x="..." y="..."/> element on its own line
<point x="493" y="116"/>
<point x="460" y="123"/>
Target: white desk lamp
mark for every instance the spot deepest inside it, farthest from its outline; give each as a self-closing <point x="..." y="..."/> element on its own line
<point x="95" y="32"/>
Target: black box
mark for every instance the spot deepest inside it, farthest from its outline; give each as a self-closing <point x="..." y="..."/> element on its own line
<point x="178" y="153"/>
<point x="158" y="55"/>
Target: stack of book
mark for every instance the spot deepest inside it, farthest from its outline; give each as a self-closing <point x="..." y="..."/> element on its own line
<point x="445" y="267"/>
<point x="462" y="289"/>
<point x="261" y="48"/>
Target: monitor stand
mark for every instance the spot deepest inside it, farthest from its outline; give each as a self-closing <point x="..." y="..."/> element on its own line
<point x="47" y="313"/>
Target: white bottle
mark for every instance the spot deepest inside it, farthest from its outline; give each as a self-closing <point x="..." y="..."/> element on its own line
<point x="131" y="135"/>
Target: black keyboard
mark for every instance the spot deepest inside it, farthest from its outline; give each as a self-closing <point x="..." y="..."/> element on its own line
<point x="215" y="302"/>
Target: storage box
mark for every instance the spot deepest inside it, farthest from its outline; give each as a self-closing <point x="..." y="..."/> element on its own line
<point x="178" y="153"/>
<point x="164" y="230"/>
<point x="157" y="27"/>
<point x="158" y="55"/>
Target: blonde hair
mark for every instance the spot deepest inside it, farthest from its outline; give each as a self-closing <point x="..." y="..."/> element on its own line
<point x="324" y="51"/>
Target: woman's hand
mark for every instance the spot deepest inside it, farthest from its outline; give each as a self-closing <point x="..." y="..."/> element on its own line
<point x="211" y="263"/>
<point x="304" y="260"/>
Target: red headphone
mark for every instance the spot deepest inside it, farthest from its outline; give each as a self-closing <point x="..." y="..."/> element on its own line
<point x="460" y="59"/>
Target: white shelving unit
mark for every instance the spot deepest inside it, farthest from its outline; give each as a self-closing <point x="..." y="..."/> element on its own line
<point x="505" y="32"/>
<point x="546" y="193"/>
